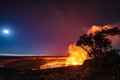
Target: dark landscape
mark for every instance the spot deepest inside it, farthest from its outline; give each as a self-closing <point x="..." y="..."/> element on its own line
<point x="59" y="39"/>
<point x="27" y="68"/>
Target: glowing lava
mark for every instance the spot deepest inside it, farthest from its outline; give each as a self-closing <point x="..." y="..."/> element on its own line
<point x="77" y="55"/>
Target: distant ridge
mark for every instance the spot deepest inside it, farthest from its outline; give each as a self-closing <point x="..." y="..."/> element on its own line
<point x="10" y="54"/>
<point x="44" y="55"/>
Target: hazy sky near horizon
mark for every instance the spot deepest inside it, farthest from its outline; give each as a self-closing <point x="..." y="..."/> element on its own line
<point x="48" y="26"/>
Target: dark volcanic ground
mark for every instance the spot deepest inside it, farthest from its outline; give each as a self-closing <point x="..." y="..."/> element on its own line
<point x="27" y="68"/>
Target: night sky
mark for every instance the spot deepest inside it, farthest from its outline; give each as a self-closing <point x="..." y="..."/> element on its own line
<point x="46" y="27"/>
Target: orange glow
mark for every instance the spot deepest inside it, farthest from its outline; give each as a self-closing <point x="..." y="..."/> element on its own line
<point x="77" y="55"/>
<point x="96" y="28"/>
<point x="53" y="64"/>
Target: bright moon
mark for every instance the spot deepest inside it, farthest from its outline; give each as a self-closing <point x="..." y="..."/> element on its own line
<point x="6" y="31"/>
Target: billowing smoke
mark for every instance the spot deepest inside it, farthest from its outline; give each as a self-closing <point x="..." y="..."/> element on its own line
<point x="97" y="39"/>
